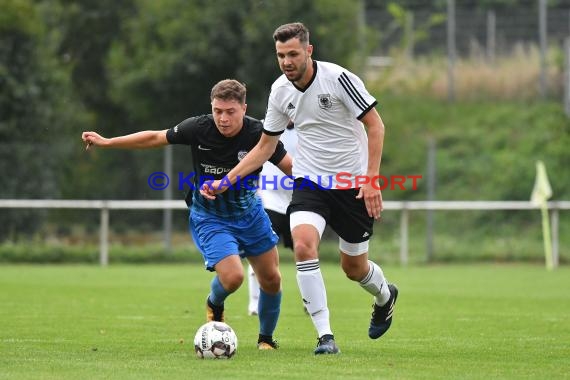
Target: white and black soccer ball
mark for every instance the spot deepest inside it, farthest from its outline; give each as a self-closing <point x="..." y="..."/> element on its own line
<point x="215" y="340"/>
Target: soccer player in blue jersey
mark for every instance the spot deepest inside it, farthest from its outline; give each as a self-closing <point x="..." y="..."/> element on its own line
<point x="234" y="222"/>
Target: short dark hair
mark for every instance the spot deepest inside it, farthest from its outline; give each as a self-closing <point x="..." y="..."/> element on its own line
<point x="292" y="30"/>
<point x="229" y="89"/>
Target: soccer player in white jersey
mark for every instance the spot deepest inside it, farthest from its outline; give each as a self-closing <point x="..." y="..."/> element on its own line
<point x="276" y="199"/>
<point x="330" y="106"/>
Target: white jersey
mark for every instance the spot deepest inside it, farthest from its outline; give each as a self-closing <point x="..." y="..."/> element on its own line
<point x="275" y="196"/>
<point x="332" y="140"/>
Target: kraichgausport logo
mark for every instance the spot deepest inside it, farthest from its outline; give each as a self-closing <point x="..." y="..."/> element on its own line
<point x="340" y="181"/>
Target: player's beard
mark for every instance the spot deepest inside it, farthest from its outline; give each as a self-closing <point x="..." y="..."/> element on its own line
<point x="300" y="73"/>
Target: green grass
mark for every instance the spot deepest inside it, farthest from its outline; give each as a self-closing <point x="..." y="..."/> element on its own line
<point x="138" y="322"/>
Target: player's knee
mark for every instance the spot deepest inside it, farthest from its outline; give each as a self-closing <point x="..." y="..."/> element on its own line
<point x="354" y="272"/>
<point x="304" y="250"/>
<point x="271" y="283"/>
<point x="352" y="275"/>
<point x="232" y="281"/>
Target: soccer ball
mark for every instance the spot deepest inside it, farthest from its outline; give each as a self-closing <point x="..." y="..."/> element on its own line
<point x="215" y="340"/>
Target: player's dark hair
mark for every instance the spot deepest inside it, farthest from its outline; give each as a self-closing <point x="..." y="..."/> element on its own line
<point x="293" y="30"/>
<point x="229" y="89"/>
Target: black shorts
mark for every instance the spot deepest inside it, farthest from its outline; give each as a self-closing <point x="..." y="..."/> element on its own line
<point x="280" y="224"/>
<point x="345" y="214"/>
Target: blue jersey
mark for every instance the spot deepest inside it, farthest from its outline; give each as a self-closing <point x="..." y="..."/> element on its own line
<point x="213" y="156"/>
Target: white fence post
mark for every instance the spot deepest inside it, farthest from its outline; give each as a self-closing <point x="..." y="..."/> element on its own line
<point x="404" y="235"/>
<point x="554" y="223"/>
<point x="104" y="236"/>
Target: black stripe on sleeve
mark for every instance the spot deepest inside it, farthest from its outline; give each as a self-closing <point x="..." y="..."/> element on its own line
<point x="271" y="133"/>
<point x="352" y="92"/>
<point x="351" y="85"/>
<point x="366" y="110"/>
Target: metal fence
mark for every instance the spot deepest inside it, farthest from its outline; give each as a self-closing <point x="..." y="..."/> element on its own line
<point x="466" y="33"/>
<point x="494" y="32"/>
<point x="406" y="207"/>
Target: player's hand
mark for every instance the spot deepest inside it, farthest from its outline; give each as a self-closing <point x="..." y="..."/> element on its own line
<point x="93" y="138"/>
<point x="372" y="199"/>
<point x="209" y="189"/>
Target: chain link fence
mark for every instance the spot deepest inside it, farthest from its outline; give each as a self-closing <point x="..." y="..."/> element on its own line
<point x="524" y="44"/>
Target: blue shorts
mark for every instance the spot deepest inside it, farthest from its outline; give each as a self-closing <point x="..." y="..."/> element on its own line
<point x="217" y="238"/>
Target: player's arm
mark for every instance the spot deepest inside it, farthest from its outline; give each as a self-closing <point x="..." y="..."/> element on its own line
<point x="286" y="165"/>
<point x="370" y="192"/>
<point x="253" y="160"/>
<point x="138" y="140"/>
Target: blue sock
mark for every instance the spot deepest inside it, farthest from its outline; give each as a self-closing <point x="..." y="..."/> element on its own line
<point x="217" y="292"/>
<point x="269" y="308"/>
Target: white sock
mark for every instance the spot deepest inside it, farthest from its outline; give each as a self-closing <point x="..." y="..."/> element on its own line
<point x="375" y="283"/>
<point x="312" y="288"/>
<point x="253" y="287"/>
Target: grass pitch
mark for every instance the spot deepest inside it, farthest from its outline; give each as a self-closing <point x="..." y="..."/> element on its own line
<point x="138" y="322"/>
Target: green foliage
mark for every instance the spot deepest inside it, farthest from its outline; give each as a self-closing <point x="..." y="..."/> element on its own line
<point x="15" y="15"/>
<point x="485" y="150"/>
<point x="87" y="30"/>
<point x="36" y="112"/>
<point x="419" y="33"/>
<point x="174" y="51"/>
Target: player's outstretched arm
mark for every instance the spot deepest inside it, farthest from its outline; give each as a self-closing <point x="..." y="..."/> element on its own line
<point x="138" y="140"/>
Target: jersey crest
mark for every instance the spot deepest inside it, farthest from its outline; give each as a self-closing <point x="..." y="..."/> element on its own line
<point x="241" y="154"/>
<point x="325" y="101"/>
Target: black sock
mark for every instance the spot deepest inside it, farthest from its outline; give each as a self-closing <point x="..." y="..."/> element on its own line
<point x="265" y="338"/>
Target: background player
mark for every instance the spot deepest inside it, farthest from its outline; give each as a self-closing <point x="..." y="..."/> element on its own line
<point x="276" y="199"/>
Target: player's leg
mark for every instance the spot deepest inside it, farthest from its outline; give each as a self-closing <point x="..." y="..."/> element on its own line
<point x="258" y="241"/>
<point x="266" y="267"/>
<point x="219" y="249"/>
<point x="277" y="223"/>
<point x="253" y="291"/>
<point x="308" y="213"/>
<point x="351" y="222"/>
<point x="228" y="279"/>
<point x="355" y="263"/>
<point x="307" y="228"/>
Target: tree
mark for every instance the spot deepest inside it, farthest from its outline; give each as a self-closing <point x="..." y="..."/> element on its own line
<point x="36" y="110"/>
<point x="175" y="50"/>
<point x="172" y="52"/>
